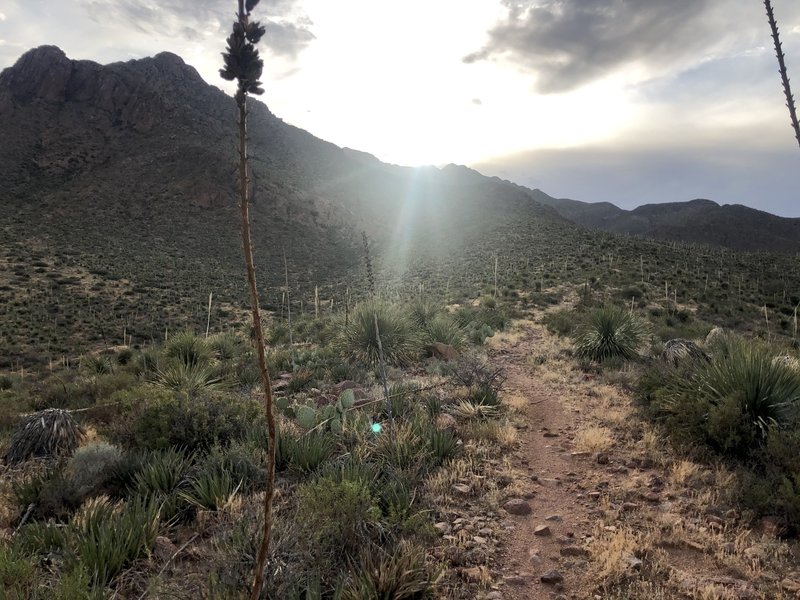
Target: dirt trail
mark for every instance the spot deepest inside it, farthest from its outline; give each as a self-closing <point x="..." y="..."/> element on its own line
<point x="553" y="480"/>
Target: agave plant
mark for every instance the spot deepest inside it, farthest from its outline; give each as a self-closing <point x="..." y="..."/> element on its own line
<point x="48" y="433"/>
<point x="611" y="332"/>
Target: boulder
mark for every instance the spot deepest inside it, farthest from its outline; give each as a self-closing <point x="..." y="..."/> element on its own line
<point x="443" y="351"/>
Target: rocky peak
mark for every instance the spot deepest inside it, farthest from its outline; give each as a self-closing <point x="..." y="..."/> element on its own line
<point x="42" y="72"/>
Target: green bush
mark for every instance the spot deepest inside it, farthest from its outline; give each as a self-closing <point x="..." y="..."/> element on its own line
<point x="191" y="379"/>
<point x="92" y="466"/>
<point x="423" y="312"/>
<point x="610" y="332"/>
<point x="399" y="338"/>
<point x="337" y="519"/>
<point x="562" y="322"/>
<point x="734" y="402"/>
<point x="194" y="424"/>
<point x="309" y="451"/>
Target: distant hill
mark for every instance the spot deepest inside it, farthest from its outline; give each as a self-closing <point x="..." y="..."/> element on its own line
<point x="697" y="221"/>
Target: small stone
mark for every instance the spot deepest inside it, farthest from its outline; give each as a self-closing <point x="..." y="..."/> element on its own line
<point x="575" y="551"/>
<point x="480" y="540"/>
<point x="594" y="495"/>
<point x="462" y="489"/>
<point x="602" y="458"/>
<point x="634" y="564"/>
<point x="519" y="579"/>
<point x="164" y="549"/>
<point x="554" y="518"/>
<point x="552" y="577"/>
<point x="494" y="595"/>
<point x="550" y="434"/>
<point x="446" y="422"/>
<point x="518" y="506"/>
<point x="629" y="506"/>
<point x="651" y="497"/>
<point x="442" y="527"/>
<point x="542" y="531"/>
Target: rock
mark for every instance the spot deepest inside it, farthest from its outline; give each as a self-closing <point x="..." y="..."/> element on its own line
<point x="442" y="527"/>
<point x="552" y="577"/>
<point x="519" y="579"/>
<point x="343" y="386"/>
<point x="575" y="551"/>
<point x="462" y="489"/>
<point x="542" y="531"/>
<point x="517" y="506"/>
<point x="634" y="564"/>
<point x="629" y="506"/>
<point x="443" y="351"/>
<point x="475" y="574"/>
<point x="446" y="422"/>
<point x="651" y="497"/>
<point x="602" y="458"/>
<point x="553" y="518"/>
<point x="164" y="549"/>
<point x="494" y="595"/>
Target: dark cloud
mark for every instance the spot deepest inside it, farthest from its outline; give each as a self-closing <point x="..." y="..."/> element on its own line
<point x="288" y="32"/>
<point x="568" y="43"/>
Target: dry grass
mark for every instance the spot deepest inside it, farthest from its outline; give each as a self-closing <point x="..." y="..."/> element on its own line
<point x="594" y="439"/>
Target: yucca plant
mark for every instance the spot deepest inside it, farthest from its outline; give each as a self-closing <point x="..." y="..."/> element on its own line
<point x="189" y="349"/>
<point x="48" y="433"/>
<point x="737" y="399"/>
<point x="399" y="338"/>
<point x="442" y="444"/>
<point x="399" y="447"/>
<point x="163" y="473"/>
<point x="398" y="575"/>
<point x="446" y="331"/>
<point x="99" y="364"/>
<point x="107" y="537"/>
<point x="309" y="451"/>
<point x="212" y="489"/>
<point x="610" y="332"/>
<point x="190" y="378"/>
<point x="423" y="312"/>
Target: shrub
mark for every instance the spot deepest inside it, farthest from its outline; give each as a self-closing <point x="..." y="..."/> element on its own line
<point x="239" y="462"/>
<point x="561" y="322"/>
<point x="336" y="518"/>
<point x="735" y="401"/>
<point x="399" y="447"/>
<point x="194" y="424"/>
<point x="48" y="433"/>
<point x="400" y="340"/>
<point x="99" y="364"/>
<point x="91" y="466"/>
<point x="611" y="332"/>
<point x="225" y="346"/>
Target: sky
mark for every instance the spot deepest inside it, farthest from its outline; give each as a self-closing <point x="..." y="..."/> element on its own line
<point x="623" y="101"/>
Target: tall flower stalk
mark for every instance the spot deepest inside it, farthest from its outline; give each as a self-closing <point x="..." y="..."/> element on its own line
<point x="787" y="90"/>
<point x="243" y="65"/>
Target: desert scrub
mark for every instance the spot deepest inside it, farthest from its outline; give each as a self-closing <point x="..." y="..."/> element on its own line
<point x="732" y="403"/>
<point x="610" y="332"/>
<point x="337" y="519"/>
<point x="399" y="338"/>
<point x="562" y="322"/>
<point x="193" y="423"/>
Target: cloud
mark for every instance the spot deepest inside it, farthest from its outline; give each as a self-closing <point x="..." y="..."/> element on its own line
<point x="569" y="43"/>
<point x="288" y="29"/>
<point x="2" y="17"/>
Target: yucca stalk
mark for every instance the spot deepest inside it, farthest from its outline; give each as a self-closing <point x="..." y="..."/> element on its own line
<point x="243" y="65"/>
<point x="773" y="24"/>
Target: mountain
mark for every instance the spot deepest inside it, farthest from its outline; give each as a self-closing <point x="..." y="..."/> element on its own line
<point x="118" y="205"/>
<point x="697" y="221"/>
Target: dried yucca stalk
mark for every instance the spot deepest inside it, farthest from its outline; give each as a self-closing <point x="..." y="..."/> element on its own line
<point x="48" y="433"/>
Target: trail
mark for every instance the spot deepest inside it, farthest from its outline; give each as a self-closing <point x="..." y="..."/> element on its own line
<point x="553" y="480"/>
